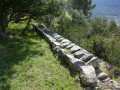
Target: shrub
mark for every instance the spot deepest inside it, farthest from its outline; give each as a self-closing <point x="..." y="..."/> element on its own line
<point x="99" y="26"/>
<point x="99" y="46"/>
<point x="113" y="52"/>
<point x="63" y="24"/>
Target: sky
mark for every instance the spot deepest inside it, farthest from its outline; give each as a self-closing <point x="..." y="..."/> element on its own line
<point x="106" y="7"/>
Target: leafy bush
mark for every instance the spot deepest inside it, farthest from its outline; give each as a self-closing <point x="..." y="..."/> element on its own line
<point x="104" y="28"/>
<point x="76" y="33"/>
<point x="113" y="51"/>
<point x="78" y="17"/>
<point x="99" y="26"/>
<point x="63" y="24"/>
<point x="98" y="36"/>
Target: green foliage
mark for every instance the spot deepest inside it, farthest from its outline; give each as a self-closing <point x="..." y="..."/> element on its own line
<point x="65" y="23"/>
<point x="72" y="20"/>
<point x="113" y="26"/>
<point x="75" y="34"/>
<point x="15" y="10"/>
<point x="99" y="26"/>
<point x="102" y="39"/>
<point x="113" y="51"/>
<point x="104" y="28"/>
<point x="78" y="17"/>
<point x="84" y="5"/>
<point x="99" y="46"/>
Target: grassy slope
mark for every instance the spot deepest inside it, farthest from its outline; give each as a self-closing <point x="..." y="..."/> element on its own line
<point x="27" y="63"/>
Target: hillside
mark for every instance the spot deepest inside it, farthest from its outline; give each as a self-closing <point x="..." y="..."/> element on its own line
<point x="27" y="63"/>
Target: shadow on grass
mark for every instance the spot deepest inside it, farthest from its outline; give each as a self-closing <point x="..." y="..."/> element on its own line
<point x="72" y="71"/>
<point x="12" y="51"/>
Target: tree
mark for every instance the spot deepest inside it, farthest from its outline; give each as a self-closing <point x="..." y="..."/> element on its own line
<point x="78" y="17"/>
<point x="18" y="10"/>
<point x="84" y="5"/>
<point x="99" y="26"/>
<point x="112" y="26"/>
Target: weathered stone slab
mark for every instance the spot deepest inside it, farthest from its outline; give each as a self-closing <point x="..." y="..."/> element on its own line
<point x="65" y="44"/>
<point x="117" y="87"/>
<point x="70" y="46"/>
<point x="77" y="64"/>
<point x="78" y="54"/>
<point x="88" y="76"/>
<point x="49" y="38"/>
<point x="73" y="62"/>
<point x="56" y="49"/>
<point x="54" y="44"/>
<point x="102" y="76"/>
<point x="62" y="53"/>
<point x="65" y="41"/>
<point x="48" y="31"/>
<point x="94" y="62"/>
<point x="75" y="49"/>
<point x="106" y="80"/>
<point x="87" y="57"/>
<point x="56" y="36"/>
<point x="92" y="88"/>
<point x="82" y="52"/>
<point x="114" y="84"/>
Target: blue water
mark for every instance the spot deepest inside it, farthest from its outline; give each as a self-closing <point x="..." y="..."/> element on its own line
<point x="107" y="8"/>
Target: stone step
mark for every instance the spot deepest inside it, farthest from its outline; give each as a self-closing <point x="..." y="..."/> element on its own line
<point x="70" y="46"/>
<point x="88" y="76"/>
<point x="94" y="62"/>
<point x="64" y="45"/>
<point x="75" y="49"/>
<point x="102" y="76"/>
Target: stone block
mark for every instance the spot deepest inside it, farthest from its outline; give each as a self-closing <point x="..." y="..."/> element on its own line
<point x="73" y="62"/>
<point x="102" y="76"/>
<point x="54" y="44"/>
<point x="70" y="46"/>
<point x="88" y="76"/>
<point x="65" y="44"/>
<point x="75" y="49"/>
<point x="94" y="62"/>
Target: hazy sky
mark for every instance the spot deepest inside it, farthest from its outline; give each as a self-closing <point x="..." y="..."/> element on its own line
<point x="106" y="7"/>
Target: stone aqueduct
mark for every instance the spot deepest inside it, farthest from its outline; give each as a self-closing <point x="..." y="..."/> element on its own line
<point x="79" y="59"/>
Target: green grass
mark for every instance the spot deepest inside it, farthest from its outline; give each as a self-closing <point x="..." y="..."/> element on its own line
<point x="27" y="63"/>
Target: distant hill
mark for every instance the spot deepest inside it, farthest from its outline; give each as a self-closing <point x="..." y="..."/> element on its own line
<point x="106" y="7"/>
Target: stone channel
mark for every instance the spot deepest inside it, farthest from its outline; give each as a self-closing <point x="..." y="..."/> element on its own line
<point x="76" y="57"/>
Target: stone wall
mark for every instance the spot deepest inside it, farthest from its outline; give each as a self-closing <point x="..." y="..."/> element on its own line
<point x="79" y="59"/>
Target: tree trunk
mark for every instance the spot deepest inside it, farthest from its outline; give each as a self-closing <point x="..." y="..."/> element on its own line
<point x="3" y="26"/>
<point x="1" y="32"/>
